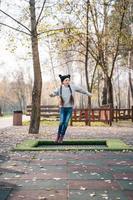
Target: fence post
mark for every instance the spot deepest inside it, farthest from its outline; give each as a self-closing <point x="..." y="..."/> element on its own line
<point x="71" y="122"/>
<point x="132" y="113"/>
<point x="110" y="115"/>
<point x="116" y="113"/>
<point x="86" y="116"/>
<point x="89" y="116"/>
<point x="1" y="112"/>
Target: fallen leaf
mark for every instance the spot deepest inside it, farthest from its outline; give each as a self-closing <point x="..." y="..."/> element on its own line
<point x="108" y="181"/>
<point x="75" y="172"/>
<point x="57" y="179"/>
<point x="51" y="195"/>
<point x="17" y="176"/>
<point x="94" y="173"/>
<point x="34" y="179"/>
<point x="125" y="178"/>
<point x="42" y="198"/>
<point x="93" y="194"/>
<point x="20" y="196"/>
<point x="82" y="188"/>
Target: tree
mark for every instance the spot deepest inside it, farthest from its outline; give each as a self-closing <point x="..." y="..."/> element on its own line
<point x="73" y="42"/>
<point x="37" y="87"/>
<point x="95" y="35"/>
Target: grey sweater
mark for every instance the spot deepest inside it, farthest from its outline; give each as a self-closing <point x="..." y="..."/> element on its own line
<point x="66" y="93"/>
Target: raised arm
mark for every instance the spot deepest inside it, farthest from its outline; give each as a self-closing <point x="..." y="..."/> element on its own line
<point x="54" y="93"/>
<point x="82" y="90"/>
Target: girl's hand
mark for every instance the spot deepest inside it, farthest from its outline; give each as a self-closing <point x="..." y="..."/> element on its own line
<point x="51" y="95"/>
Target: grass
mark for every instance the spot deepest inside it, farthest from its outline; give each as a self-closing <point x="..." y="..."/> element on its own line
<point x="56" y="123"/>
<point x="122" y="123"/>
<point x="74" y="145"/>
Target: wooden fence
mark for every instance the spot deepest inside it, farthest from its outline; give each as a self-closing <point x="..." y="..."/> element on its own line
<point x="103" y="114"/>
<point x="122" y="114"/>
<point x="92" y="115"/>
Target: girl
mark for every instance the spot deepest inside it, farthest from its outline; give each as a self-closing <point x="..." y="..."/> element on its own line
<point x="66" y="94"/>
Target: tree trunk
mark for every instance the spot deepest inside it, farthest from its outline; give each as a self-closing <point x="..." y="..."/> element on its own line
<point x="104" y="91"/>
<point x="87" y="52"/>
<point x="107" y="94"/>
<point x="130" y="66"/>
<point x="98" y="88"/>
<point x="119" y="93"/>
<point x="129" y="104"/>
<point x="37" y="87"/>
<point x="110" y="92"/>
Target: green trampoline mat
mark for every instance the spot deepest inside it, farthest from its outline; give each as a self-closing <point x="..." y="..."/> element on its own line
<point x="77" y="145"/>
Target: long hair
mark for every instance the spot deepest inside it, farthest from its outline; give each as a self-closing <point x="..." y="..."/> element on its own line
<point x="71" y="100"/>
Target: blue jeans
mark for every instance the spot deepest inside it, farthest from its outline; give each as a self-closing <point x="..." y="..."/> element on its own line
<point x="65" y="115"/>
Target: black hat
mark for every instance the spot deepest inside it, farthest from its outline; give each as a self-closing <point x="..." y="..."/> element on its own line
<point x="64" y="77"/>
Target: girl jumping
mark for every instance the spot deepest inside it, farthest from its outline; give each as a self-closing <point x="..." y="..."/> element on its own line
<point x="66" y="93"/>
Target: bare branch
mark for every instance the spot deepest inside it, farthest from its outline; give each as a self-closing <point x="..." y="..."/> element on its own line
<point x="62" y="64"/>
<point x="73" y="50"/>
<point x="94" y="21"/>
<point x="119" y="36"/>
<point x="15" y="20"/>
<point x="15" y="29"/>
<point x="92" y="81"/>
<point x="40" y="13"/>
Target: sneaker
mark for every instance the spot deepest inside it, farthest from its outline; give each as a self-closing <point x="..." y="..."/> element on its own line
<point x="57" y="138"/>
<point x="61" y="139"/>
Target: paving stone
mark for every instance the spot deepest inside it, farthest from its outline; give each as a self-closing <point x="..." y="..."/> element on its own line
<point x="126" y="184"/>
<point x="11" y="170"/>
<point x="15" y="165"/>
<point x="121" y="169"/>
<point x="38" y="195"/>
<point x="52" y="168"/>
<point x="94" y="184"/>
<point x="45" y="169"/>
<point x="45" y="175"/>
<point x="8" y="183"/>
<point x="88" y="168"/>
<point x="91" y="176"/>
<point x="119" y="162"/>
<point x="55" y="183"/>
<point x="86" y="162"/>
<point x="22" y="156"/>
<point x="129" y="195"/>
<point x="50" y="162"/>
<point x="124" y="176"/>
<point x="96" y="195"/>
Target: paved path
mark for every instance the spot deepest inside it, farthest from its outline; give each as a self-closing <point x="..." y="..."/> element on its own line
<point x="6" y="122"/>
<point x="65" y="175"/>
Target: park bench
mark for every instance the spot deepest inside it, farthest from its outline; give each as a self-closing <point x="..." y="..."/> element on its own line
<point x="48" y="112"/>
